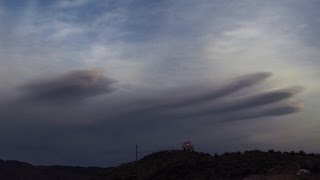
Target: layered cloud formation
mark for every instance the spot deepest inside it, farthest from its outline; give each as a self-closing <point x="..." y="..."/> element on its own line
<point x="83" y="81"/>
<point x="76" y="85"/>
<point x="82" y="103"/>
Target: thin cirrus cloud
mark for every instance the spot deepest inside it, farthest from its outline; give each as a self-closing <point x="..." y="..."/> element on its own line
<point x="72" y="3"/>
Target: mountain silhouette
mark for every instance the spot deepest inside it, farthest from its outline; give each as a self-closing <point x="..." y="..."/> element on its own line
<point x="181" y="165"/>
<point x="184" y="165"/>
<point x="15" y="170"/>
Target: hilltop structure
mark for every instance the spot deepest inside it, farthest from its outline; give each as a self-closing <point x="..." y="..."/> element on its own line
<point x="187" y="146"/>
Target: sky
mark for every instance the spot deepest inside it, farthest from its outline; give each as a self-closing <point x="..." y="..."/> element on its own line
<point x="84" y="81"/>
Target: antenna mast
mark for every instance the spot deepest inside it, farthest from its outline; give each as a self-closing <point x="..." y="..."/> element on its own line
<point x="136" y="152"/>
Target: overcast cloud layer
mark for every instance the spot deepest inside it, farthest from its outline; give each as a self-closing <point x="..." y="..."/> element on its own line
<point x="83" y="81"/>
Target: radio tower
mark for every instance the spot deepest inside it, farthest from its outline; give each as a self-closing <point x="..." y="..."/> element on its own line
<point x="136" y="152"/>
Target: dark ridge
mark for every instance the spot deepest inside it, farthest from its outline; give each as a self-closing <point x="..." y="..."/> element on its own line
<point x="15" y="170"/>
<point x="180" y="165"/>
<point x="185" y="165"/>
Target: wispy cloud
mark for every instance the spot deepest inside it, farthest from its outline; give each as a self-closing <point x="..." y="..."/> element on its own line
<point x="72" y="3"/>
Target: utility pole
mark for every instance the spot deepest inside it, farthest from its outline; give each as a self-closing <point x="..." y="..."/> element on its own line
<point x="136" y="152"/>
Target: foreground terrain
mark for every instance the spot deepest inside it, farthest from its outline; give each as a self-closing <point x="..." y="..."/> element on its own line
<point x="177" y="164"/>
<point x="249" y="165"/>
<point x="14" y="170"/>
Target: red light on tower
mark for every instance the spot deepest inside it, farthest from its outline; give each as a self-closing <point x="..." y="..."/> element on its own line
<point x="187" y="146"/>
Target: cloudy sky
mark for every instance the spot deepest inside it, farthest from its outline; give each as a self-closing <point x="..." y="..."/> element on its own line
<point x="83" y="81"/>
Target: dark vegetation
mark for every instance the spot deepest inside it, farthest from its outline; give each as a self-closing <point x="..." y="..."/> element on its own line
<point x="14" y="170"/>
<point x="193" y="165"/>
<point x="178" y="164"/>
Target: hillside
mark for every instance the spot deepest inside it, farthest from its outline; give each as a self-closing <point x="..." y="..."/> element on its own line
<point x="192" y="165"/>
<point x="15" y="170"/>
<point x="178" y="164"/>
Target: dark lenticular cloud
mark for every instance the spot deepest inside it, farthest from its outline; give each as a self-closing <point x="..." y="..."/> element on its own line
<point x="237" y="84"/>
<point x="76" y="85"/>
<point x="250" y="102"/>
<point x="80" y="116"/>
<point x="214" y="103"/>
<point x="200" y="105"/>
<point x="276" y="110"/>
<point x="129" y="120"/>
